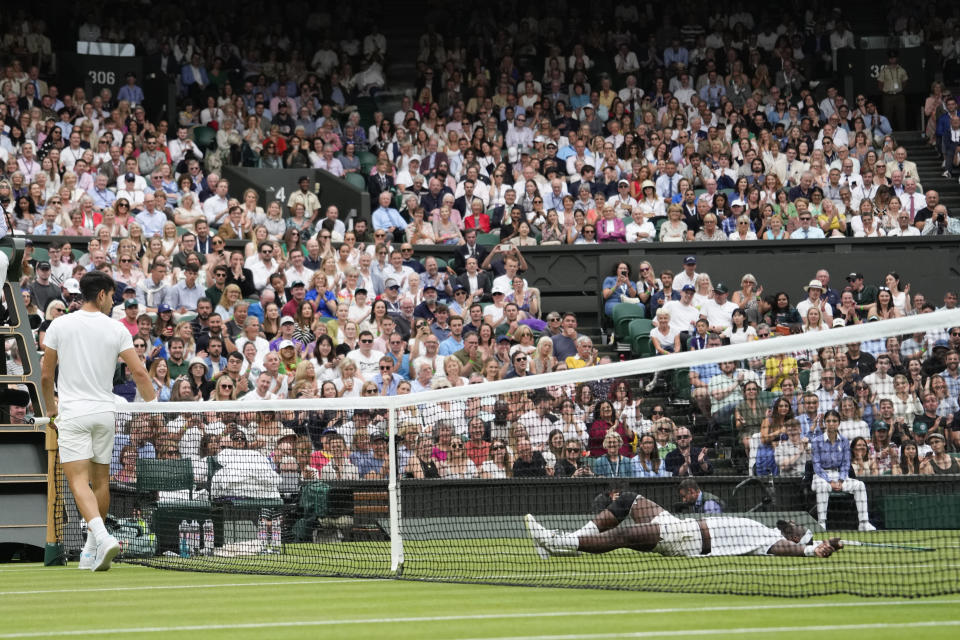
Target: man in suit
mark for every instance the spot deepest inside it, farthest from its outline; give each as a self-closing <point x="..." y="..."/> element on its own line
<point x="900" y="163"/>
<point x="193" y="77"/>
<point x="433" y="158"/>
<point x="477" y="283"/>
<point x="232" y="229"/>
<point x="469" y="249"/>
<point x="380" y="181"/>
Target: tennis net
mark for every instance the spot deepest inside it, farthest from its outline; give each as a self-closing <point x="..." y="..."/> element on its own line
<point x="437" y="485"/>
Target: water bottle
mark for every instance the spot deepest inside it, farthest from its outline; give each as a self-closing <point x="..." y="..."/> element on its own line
<point x="276" y="533"/>
<point x="194" y="537"/>
<point x="184" y="541"/>
<point x="263" y="533"/>
<point x="208" y="537"/>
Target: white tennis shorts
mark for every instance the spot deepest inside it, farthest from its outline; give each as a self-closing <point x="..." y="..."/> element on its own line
<point x="88" y="437"/>
<point x="678" y="537"/>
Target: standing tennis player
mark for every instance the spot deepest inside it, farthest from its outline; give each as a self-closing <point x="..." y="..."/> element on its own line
<point x="86" y="344"/>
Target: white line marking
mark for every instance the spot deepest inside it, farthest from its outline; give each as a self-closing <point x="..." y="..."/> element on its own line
<point x="81" y="589"/>
<point x="487" y="616"/>
<point x="726" y="632"/>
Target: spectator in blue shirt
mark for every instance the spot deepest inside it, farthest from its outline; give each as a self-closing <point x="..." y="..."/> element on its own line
<point x="102" y="197"/>
<point x="831" y="471"/>
<point x="130" y="91"/>
<point x="388" y="219"/>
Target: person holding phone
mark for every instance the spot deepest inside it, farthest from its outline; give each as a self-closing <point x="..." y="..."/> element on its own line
<point x="617" y="286"/>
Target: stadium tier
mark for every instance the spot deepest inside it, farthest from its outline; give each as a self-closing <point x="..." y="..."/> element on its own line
<point x="517" y="482"/>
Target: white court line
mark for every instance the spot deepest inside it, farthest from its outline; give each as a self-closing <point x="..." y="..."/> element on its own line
<point x="479" y="616"/>
<point x="725" y="632"/>
<point x="80" y="589"/>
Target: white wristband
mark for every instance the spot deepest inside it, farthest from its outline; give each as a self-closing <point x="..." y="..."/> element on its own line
<point x="810" y="550"/>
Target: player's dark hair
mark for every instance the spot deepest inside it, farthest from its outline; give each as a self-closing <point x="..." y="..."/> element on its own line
<point x="93" y="283"/>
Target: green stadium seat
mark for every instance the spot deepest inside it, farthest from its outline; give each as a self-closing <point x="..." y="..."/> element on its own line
<point x="680" y="385"/>
<point x="204" y="136"/>
<point x="40" y="254"/>
<point x="623" y="314"/>
<point x="367" y="158"/>
<point x="356" y="180"/>
<point x="488" y="239"/>
<point x="638" y="332"/>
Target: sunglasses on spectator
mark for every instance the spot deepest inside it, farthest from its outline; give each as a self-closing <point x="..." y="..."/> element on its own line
<point x="226" y="386"/>
<point x="386" y="368"/>
<point x="366" y="341"/>
<point x="684" y="437"/>
<point x="497" y="447"/>
<point x="456" y="446"/>
<point x="573" y="449"/>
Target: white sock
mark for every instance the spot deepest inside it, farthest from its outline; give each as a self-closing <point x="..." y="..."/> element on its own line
<point x="97" y="529"/>
<point x="589" y="529"/>
<point x="90" y="546"/>
<point x="565" y="543"/>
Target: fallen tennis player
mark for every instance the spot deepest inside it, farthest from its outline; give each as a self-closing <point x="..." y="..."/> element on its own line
<point x="656" y="530"/>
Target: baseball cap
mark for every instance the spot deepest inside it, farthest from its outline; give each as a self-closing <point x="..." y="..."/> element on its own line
<point x="164" y="308"/>
<point x="839" y="322"/>
<point x="738" y="203"/>
<point x="130" y="177"/>
<point x="287" y="320"/>
<point x="71" y="285"/>
<point x="936" y="435"/>
<point x="297" y="283"/>
<point x="43" y="265"/>
<point x="690" y="260"/>
<point x="879" y="425"/>
<point x="359" y="290"/>
<point x="429" y="286"/>
<point x="721" y="288"/>
<point x="854" y="276"/>
<point x="284" y="344"/>
<point x="551" y="143"/>
<point x="941" y="344"/>
<point x="504" y="337"/>
<point x="688" y="287"/>
<point x="620" y="182"/>
<point x="379" y="437"/>
<point x="391" y="283"/>
<point x="132" y="302"/>
<point x="129" y="289"/>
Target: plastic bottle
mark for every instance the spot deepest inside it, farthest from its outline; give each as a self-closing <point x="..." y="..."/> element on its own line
<point x="194" y="538"/>
<point x="276" y="533"/>
<point x="208" y="537"/>
<point x="184" y="539"/>
<point x="263" y="533"/>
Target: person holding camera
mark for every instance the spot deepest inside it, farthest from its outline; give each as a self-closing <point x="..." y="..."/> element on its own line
<point x="941" y="224"/>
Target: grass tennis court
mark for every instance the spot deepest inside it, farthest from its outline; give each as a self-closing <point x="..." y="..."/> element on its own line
<point x="138" y="602"/>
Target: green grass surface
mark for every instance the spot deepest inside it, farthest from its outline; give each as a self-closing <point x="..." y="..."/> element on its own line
<point x="139" y="602"/>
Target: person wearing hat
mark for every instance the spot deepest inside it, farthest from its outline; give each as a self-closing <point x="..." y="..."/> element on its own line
<point x="131" y="310"/>
<point x="287" y="326"/>
<point x="863" y="295"/>
<point x="892" y="80"/>
<point x="129" y="293"/>
<point x="623" y="202"/>
<point x="814" y="298"/>
<point x="940" y="462"/>
<point x="683" y="315"/>
<point x="719" y="309"/>
<point x="688" y="275"/>
<point x="42" y="290"/>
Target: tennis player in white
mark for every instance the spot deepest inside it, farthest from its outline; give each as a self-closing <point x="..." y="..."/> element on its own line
<point x="656" y="530"/>
<point x="86" y="344"/>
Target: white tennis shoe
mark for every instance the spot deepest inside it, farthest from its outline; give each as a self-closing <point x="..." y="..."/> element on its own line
<point x="539" y="534"/>
<point x="106" y="552"/>
<point x="866" y="526"/>
<point x="86" y="560"/>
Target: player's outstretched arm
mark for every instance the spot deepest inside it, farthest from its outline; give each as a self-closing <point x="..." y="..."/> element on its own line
<point x="823" y="550"/>
<point x="139" y="374"/>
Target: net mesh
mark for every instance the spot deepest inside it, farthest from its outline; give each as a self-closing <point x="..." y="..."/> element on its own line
<point x="438" y="485"/>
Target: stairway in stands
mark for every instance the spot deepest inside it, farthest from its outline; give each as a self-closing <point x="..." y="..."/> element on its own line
<point x="930" y="169"/>
<point x="403" y="31"/>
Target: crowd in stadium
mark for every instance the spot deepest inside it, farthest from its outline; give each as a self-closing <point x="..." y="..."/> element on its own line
<point x="529" y="137"/>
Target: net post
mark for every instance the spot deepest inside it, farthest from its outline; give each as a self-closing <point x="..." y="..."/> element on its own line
<point x="53" y="554"/>
<point x="393" y="496"/>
